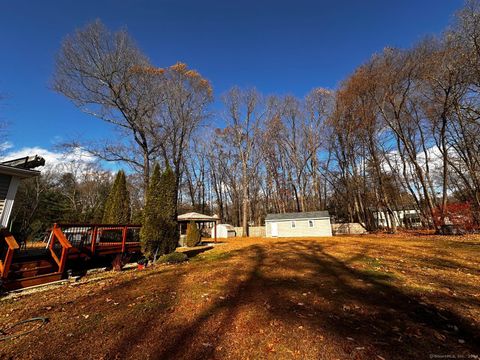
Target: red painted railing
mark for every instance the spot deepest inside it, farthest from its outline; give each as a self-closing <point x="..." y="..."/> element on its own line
<point x="59" y="247"/>
<point x="99" y="239"/>
<point x="8" y="245"/>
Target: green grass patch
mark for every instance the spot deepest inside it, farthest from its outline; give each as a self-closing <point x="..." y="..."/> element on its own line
<point x="157" y="305"/>
<point x="378" y="276"/>
<point x="212" y="256"/>
<point x="371" y="262"/>
<point x="172" y="258"/>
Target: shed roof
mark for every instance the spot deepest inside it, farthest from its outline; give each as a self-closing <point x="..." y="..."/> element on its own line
<point x="298" y="215"/>
<point x="196" y="217"/>
<point x="226" y="226"/>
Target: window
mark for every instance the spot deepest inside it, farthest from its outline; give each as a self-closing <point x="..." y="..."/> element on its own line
<point x="293" y="224"/>
<point x="310" y="223"/>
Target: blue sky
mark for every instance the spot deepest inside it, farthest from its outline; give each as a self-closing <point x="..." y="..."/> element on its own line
<point x="277" y="46"/>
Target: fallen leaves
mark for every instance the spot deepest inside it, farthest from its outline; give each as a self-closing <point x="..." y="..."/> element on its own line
<point x="304" y="305"/>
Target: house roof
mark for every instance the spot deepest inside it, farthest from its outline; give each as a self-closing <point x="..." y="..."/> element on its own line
<point x="18" y="172"/>
<point x="22" y="167"/>
<point x="196" y="217"/>
<point x="25" y="162"/>
<point x="298" y="215"/>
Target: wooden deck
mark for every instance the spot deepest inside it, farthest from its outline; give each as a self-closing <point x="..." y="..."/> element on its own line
<point x="67" y="243"/>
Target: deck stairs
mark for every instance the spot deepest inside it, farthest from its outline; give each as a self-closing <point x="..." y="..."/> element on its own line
<point x="30" y="271"/>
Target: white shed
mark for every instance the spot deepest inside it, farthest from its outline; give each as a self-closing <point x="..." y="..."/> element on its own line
<point x="306" y="224"/>
<point x="223" y="231"/>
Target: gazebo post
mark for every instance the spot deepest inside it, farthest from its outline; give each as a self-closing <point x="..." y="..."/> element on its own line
<point x="200" y="228"/>
<point x="215" y="230"/>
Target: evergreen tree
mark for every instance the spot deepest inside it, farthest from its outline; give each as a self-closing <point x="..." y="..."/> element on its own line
<point x="117" y="206"/>
<point x="168" y="209"/>
<point x="159" y="234"/>
<point x="151" y="232"/>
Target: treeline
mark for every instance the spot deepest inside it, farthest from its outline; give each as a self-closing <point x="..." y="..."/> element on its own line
<point x="71" y="192"/>
<point x="401" y="132"/>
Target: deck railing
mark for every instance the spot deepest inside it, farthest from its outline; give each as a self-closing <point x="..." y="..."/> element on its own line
<point x="59" y="247"/>
<point x="101" y="238"/>
<point x="8" y="245"/>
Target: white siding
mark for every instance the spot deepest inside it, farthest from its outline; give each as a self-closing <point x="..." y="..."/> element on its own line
<point x="4" y="185"/>
<point x="321" y="227"/>
<point x="9" y="199"/>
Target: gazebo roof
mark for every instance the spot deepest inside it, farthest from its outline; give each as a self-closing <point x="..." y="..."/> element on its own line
<point x="196" y="217"/>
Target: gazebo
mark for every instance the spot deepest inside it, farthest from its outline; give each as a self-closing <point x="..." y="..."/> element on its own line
<point x="201" y="219"/>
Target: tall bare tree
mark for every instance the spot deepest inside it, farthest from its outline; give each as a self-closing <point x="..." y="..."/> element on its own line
<point x="186" y="98"/>
<point x="107" y="76"/>
<point x="245" y="113"/>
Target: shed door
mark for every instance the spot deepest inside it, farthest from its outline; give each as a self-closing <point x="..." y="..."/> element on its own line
<point x="274" y="227"/>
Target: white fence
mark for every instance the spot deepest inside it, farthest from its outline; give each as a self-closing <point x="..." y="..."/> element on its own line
<point x="337" y="229"/>
<point x="348" y="229"/>
<point x="254" y="231"/>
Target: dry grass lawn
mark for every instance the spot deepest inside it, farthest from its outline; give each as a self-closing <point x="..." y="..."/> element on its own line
<point x="367" y="297"/>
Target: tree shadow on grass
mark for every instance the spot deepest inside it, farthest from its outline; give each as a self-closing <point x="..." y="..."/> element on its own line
<point x="84" y="326"/>
<point x="297" y="299"/>
<point x="228" y="307"/>
<point x="359" y="310"/>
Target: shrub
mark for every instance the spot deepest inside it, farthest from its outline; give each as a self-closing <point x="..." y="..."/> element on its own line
<point x="172" y="258"/>
<point x="193" y="234"/>
<point x="458" y="214"/>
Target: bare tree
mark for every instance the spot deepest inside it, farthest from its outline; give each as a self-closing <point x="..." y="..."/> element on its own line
<point x="107" y="76"/>
<point x="186" y="98"/>
<point x="244" y="116"/>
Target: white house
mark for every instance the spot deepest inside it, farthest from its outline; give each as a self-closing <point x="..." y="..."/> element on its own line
<point x="11" y="172"/>
<point x="409" y="218"/>
<point x="306" y="224"/>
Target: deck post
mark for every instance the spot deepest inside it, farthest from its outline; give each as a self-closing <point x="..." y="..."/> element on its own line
<point x="124" y="238"/>
<point x="6" y="265"/>
<point x="63" y="260"/>
<point x="94" y="240"/>
<point x="52" y="240"/>
<point x="12" y="245"/>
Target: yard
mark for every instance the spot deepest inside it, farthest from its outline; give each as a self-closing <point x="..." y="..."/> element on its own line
<point x="407" y="296"/>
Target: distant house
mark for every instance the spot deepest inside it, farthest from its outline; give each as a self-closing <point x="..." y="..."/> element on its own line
<point x="408" y="218"/>
<point x="302" y="224"/>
